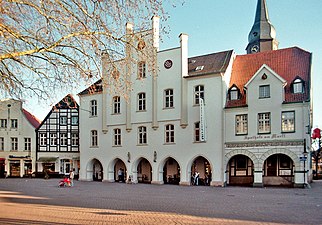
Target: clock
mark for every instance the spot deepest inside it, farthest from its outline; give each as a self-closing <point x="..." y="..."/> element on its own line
<point x="255" y="49"/>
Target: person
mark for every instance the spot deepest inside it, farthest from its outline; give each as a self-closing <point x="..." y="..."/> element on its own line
<point x="196" y="178"/>
<point x="120" y="173"/>
<point x="71" y="178"/>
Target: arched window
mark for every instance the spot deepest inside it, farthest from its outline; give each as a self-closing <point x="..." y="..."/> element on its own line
<point x="298" y="86"/>
<point x="233" y="93"/>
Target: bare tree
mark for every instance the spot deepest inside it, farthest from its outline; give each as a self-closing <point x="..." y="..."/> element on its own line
<point x="47" y="45"/>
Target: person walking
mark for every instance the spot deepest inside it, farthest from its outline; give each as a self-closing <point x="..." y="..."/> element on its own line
<point x="71" y="178"/>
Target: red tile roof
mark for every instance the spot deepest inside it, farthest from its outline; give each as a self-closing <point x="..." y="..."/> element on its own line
<point x="94" y="88"/>
<point x="31" y="118"/>
<point x="288" y="63"/>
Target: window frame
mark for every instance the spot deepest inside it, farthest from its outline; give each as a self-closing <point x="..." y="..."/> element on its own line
<point x="264" y="91"/>
<point x="233" y="92"/>
<point x="93" y="108"/>
<point x="1" y="143"/>
<point x="141" y="101"/>
<point x="197" y="132"/>
<point x="3" y="123"/>
<point x="142" y="135"/>
<point x="52" y="139"/>
<point x="63" y="139"/>
<point x="94" y="138"/>
<point x="42" y="139"/>
<point x="27" y="144"/>
<point x="73" y="118"/>
<point x="168" y="98"/>
<point x="284" y="126"/>
<point x="116" y="105"/>
<point x="169" y="134"/>
<point x="14" y="123"/>
<point x="199" y="92"/>
<point x="264" y="121"/>
<point x="242" y="124"/>
<point x="63" y="120"/>
<point x="14" y="144"/>
<point x="75" y="139"/>
<point x="298" y="86"/>
<point x="141" y="70"/>
<point x="117" y="137"/>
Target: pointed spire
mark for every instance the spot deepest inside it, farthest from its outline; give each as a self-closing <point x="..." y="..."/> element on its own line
<point x="262" y="34"/>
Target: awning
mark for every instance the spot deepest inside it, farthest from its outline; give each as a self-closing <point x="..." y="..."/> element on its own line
<point x="47" y="159"/>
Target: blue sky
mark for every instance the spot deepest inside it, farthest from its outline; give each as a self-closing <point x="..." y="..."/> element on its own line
<point x="218" y="25"/>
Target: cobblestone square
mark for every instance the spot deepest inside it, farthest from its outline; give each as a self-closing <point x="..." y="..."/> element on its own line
<point x="39" y="201"/>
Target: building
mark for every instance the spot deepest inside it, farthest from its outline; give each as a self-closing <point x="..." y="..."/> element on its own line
<point x="236" y="120"/>
<point x="58" y="139"/>
<point x="17" y="139"/>
<point x="268" y="111"/>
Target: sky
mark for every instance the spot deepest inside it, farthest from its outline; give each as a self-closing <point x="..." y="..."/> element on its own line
<point x="219" y="25"/>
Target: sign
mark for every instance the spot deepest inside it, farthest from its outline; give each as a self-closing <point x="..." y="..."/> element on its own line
<point x="303" y="158"/>
<point x="202" y="120"/>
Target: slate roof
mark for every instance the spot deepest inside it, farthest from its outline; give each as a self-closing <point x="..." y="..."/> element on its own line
<point x="31" y="118"/>
<point x="212" y="63"/>
<point x="289" y="63"/>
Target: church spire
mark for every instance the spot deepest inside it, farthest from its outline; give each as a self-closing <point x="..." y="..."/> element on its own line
<point x="262" y="36"/>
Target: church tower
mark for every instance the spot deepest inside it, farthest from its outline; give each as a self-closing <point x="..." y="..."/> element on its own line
<point x="262" y="36"/>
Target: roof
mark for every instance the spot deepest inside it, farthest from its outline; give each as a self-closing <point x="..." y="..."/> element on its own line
<point x="68" y="102"/>
<point x="31" y="118"/>
<point x="211" y="63"/>
<point x="289" y="63"/>
<point x="94" y="88"/>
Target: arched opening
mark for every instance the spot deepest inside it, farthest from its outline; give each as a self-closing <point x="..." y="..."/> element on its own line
<point x="97" y="170"/>
<point x="144" y="171"/>
<point x="120" y="172"/>
<point x="201" y="171"/>
<point x="171" y="172"/>
<point x="241" y="171"/>
<point x="278" y="170"/>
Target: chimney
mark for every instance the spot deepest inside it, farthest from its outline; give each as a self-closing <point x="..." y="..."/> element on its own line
<point x="184" y="54"/>
<point x="156" y="32"/>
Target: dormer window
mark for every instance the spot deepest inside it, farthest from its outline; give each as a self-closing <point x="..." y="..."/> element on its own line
<point x="298" y="86"/>
<point x="199" y="68"/>
<point x="233" y="93"/>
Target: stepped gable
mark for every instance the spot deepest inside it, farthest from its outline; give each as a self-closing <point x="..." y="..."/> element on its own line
<point x="289" y="63"/>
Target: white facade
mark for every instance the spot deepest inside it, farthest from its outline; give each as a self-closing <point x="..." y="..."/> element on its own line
<point x="17" y="139"/>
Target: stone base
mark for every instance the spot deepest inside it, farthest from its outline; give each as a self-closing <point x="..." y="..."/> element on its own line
<point x="258" y="185"/>
<point x="157" y="182"/>
<point x="217" y="184"/>
<point x="109" y="181"/>
<point x="184" y="183"/>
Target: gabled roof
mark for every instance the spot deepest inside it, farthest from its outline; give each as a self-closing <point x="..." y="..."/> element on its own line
<point x="211" y="63"/>
<point x="68" y="102"/>
<point x="31" y="118"/>
<point x="288" y="63"/>
<point x="94" y="88"/>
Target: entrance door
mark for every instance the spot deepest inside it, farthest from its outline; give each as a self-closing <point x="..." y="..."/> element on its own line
<point x="15" y="168"/>
<point x="2" y="168"/>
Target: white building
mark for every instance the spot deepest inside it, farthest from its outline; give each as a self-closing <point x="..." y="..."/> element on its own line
<point x="58" y="139"/>
<point x="237" y="120"/>
<point x="17" y="139"/>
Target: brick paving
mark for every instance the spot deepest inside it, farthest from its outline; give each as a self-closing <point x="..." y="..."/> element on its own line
<point x="38" y="201"/>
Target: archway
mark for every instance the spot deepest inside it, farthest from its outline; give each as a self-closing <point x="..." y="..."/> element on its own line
<point x="120" y="172"/>
<point x="97" y="170"/>
<point x="201" y="166"/>
<point x="171" y="171"/>
<point x="278" y="170"/>
<point x="144" y="171"/>
<point x="241" y="171"/>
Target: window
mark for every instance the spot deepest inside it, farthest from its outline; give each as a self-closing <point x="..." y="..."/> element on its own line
<point x="14" y="123"/>
<point x="74" y="120"/>
<point x="241" y="124"/>
<point x="53" y="139"/>
<point x="142" y="135"/>
<point x="199" y="93"/>
<point x="63" y="120"/>
<point x="43" y="139"/>
<point x="93" y="108"/>
<point x="264" y="123"/>
<point x="141" y="102"/>
<point x="116" y="104"/>
<point x="63" y="139"/>
<point x="1" y="143"/>
<point x="168" y="98"/>
<point x="27" y="144"/>
<point x="94" y="138"/>
<point x="288" y="121"/>
<point x="233" y="93"/>
<point x="264" y="91"/>
<point x="3" y="123"/>
<point x="14" y="144"/>
<point x="75" y="140"/>
<point x="169" y="133"/>
<point x="297" y="86"/>
<point x="117" y="137"/>
<point x="141" y="70"/>
<point x="197" y="132"/>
